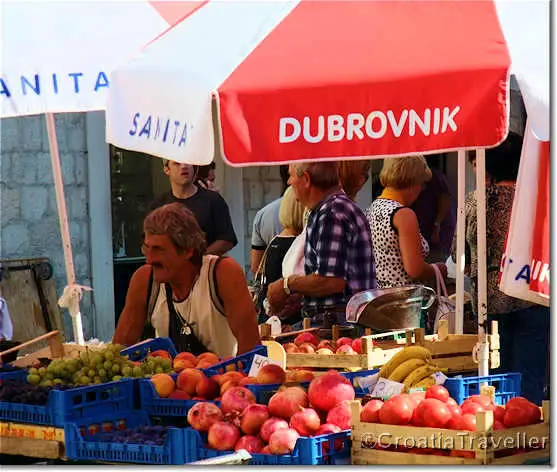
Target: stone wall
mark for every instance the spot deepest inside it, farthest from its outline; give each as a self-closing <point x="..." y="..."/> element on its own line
<point x="28" y="212"/>
<point x="262" y="185"/>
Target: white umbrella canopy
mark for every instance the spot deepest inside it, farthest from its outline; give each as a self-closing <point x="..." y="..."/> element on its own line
<point x="58" y="57"/>
<point x="525" y="266"/>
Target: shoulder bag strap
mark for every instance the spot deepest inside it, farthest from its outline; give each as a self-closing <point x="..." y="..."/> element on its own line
<point x="213" y="287"/>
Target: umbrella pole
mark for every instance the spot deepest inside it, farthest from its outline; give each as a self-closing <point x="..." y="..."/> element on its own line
<point x="460" y="241"/>
<point x="483" y="352"/>
<point x="64" y="226"/>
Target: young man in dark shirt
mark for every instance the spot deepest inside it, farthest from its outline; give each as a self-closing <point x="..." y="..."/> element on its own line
<point x="209" y="208"/>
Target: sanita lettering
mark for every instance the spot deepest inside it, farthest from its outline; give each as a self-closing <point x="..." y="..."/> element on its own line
<point x="165" y="130"/>
<point x="72" y="82"/>
<point x="375" y="125"/>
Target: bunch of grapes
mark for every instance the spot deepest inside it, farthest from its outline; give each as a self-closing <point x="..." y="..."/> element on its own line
<point x="94" y="367"/>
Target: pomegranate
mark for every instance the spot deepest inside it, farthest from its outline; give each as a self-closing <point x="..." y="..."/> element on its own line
<point x="370" y="411"/>
<point x="482" y="400"/>
<point x="306" y="338"/>
<point x="305" y="422"/>
<point x="270" y="426"/>
<point x="343" y="341"/>
<point x="283" y="441"/>
<point x="327" y="428"/>
<point x="265" y="450"/>
<point x="471" y="407"/>
<point x="286" y="402"/>
<point x="325" y="344"/>
<point x="357" y="345"/>
<point x="291" y="348"/>
<point x="306" y="348"/>
<point x="236" y="399"/>
<point x="467" y="422"/>
<point x="345" y="349"/>
<point x="223" y="436"/>
<point x="341" y="415"/>
<point x="252" y="418"/>
<point x="499" y="413"/>
<point x="329" y="390"/>
<point x="252" y="444"/>
<point x="498" y="425"/>
<point x="204" y="414"/>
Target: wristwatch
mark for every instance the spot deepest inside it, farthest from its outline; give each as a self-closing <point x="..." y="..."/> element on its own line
<point x="285" y="285"/>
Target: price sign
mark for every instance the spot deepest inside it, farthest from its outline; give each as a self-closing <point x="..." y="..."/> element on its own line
<point x="258" y="362"/>
<point x="387" y="388"/>
<point x="367" y="383"/>
<point x="440" y="378"/>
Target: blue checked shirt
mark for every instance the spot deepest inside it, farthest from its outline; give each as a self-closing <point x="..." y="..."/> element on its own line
<point x="338" y="244"/>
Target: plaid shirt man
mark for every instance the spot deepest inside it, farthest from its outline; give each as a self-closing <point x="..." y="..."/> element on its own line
<point x="338" y="244"/>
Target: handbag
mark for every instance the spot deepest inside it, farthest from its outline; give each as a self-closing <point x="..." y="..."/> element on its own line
<point x="446" y="307"/>
<point x="259" y="286"/>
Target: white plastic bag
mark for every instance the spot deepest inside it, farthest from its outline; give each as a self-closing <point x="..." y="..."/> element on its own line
<point x="446" y="307"/>
<point x="293" y="262"/>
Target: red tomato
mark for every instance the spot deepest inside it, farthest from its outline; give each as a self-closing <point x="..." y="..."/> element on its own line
<point x="451" y="401"/>
<point x="416" y="398"/>
<point x="498" y="425"/>
<point x="454" y="409"/>
<point x="483" y="400"/>
<point x="471" y="407"/>
<point x="439" y="392"/>
<point x="453" y="423"/>
<point x="517" y="417"/>
<point x="396" y="410"/>
<point x="517" y="402"/>
<point x="370" y="411"/>
<point x="435" y="414"/>
<point x="417" y="419"/>
<point x="468" y="422"/>
<point x="499" y="413"/>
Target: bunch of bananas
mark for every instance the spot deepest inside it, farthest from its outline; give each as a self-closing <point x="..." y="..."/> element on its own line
<point x="411" y="366"/>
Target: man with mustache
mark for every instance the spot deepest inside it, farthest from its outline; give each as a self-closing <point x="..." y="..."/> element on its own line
<point x="209" y="208"/>
<point x="201" y="301"/>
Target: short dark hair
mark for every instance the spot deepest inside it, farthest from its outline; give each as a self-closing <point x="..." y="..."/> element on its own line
<point x="502" y="162"/>
<point x="284" y="176"/>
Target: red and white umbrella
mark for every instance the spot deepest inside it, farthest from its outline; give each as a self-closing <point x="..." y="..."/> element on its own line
<point x="57" y="57"/>
<point x="307" y="80"/>
<point x="525" y="267"/>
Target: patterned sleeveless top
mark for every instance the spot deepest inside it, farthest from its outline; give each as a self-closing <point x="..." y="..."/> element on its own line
<point x="389" y="268"/>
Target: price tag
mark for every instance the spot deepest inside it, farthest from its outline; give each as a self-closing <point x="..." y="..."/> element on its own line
<point x="367" y="383"/>
<point x="440" y="378"/>
<point x="258" y="362"/>
<point x="387" y="388"/>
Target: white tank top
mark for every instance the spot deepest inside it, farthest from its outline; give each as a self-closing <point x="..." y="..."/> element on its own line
<point x="199" y="310"/>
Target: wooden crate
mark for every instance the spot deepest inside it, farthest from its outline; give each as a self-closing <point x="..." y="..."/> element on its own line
<point x="452" y="352"/>
<point x="44" y="442"/>
<point x="485" y="444"/>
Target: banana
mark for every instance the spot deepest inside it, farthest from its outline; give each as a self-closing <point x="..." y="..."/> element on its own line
<point x="409" y="352"/>
<point x="404" y="369"/>
<point x="418" y="374"/>
<point x="424" y="383"/>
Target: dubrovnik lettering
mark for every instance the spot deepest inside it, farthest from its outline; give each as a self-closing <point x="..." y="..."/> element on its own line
<point x="73" y="82"/>
<point x="375" y="125"/>
<point x="165" y="130"/>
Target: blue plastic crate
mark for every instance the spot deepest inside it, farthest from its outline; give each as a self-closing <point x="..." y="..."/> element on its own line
<point x="308" y="451"/>
<point x="506" y="386"/>
<point x="352" y="376"/>
<point x="13" y="373"/>
<point x="154" y="405"/>
<point x="241" y="363"/>
<point x="82" y="446"/>
<point x="69" y="405"/>
<point x="139" y="351"/>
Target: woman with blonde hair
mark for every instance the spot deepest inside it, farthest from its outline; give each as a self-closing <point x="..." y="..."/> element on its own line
<point x="399" y="248"/>
<point x="291" y="214"/>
